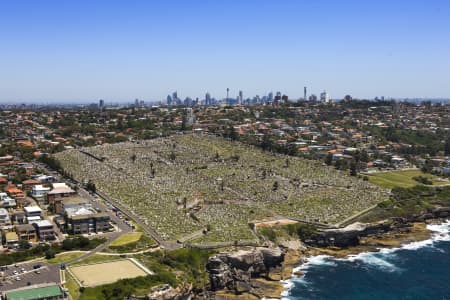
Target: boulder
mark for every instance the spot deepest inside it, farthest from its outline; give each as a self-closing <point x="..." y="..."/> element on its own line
<point x="234" y="270"/>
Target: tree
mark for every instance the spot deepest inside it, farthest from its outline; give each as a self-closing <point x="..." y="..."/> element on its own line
<point x="67" y="244"/>
<point x="353" y="170"/>
<point x="275" y="186"/>
<point x="172" y="156"/>
<point x="133" y="157"/>
<point x="50" y="253"/>
<point x="329" y="159"/>
<point x="23" y="244"/>
<point x="447" y="146"/>
<point x="427" y="167"/>
<point x="184" y="202"/>
<point x="266" y="143"/>
<point x="231" y="133"/>
<point x="364" y="157"/>
<point x="90" y="186"/>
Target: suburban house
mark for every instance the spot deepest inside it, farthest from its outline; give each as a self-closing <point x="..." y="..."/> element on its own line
<point x="59" y="191"/>
<point x="39" y="193"/>
<point x="7" y="201"/>
<point x="44" y="178"/>
<point x="11" y="239"/>
<point x="4" y="217"/>
<point x="45" y="230"/>
<point x="14" y="192"/>
<point x="32" y="213"/>
<point x="26" y="232"/>
<point x="30" y="183"/>
<point x="18" y="216"/>
<point x="72" y="203"/>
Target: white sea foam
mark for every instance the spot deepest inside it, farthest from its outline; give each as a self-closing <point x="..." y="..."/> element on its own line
<point x="319" y="260"/>
<point x="288" y="285"/>
<point x="372" y="259"/>
<point x="441" y="232"/>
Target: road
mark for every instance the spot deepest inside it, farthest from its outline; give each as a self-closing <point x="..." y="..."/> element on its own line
<point x="99" y="206"/>
<point x="124" y="228"/>
<point x="100" y="248"/>
<point x="150" y="231"/>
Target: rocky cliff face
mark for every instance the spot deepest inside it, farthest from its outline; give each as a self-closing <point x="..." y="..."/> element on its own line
<point x="166" y="292"/>
<point x="234" y="271"/>
<point x="349" y="236"/>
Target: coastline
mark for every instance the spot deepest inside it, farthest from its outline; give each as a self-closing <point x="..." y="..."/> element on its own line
<point x="421" y="235"/>
<point x="277" y="281"/>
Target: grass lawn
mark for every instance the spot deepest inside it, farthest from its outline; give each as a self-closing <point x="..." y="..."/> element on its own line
<point x="126" y="238"/>
<point x="402" y="179"/>
<point x="72" y="286"/>
<point x="63" y="257"/>
<point x="96" y="258"/>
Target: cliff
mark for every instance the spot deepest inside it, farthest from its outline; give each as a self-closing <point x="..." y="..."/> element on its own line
<point x="252" y="273"/>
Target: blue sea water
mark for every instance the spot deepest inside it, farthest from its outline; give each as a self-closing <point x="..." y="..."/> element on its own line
<point x="419" y="270"/>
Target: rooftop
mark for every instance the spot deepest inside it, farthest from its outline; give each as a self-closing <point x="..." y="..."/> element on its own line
<point x="61" y="188"/>
<point x="75" y="200"/>
<point x="32" y="209"/>
<point x="79" y="211"/>
<point x="24" y="227"/>
<point x="43" y="223"/>
<point x="40" y="187"/>
<point x="11" y="236"/>
<point x="32" y="293"/>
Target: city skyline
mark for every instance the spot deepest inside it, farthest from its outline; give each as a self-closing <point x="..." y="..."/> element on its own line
<point x="85" y="51"/>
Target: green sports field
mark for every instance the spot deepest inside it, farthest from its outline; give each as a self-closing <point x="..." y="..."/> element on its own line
<point x="402" y="179"/>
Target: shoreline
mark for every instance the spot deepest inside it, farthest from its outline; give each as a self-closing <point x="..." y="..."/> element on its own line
<point x="277" y="283"/>
<point x="421" y="235"/>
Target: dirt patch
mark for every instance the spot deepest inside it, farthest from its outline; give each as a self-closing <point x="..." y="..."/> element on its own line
<point x="108" y="272"/>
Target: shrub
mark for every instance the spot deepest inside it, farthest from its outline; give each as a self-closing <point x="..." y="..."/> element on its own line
<point x="50" y="253"/>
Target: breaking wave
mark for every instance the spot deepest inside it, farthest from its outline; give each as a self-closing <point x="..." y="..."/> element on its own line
<point x="383" y="260"/>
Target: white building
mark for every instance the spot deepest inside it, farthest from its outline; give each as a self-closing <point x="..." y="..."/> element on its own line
<point x="7" y="201"/>
<point x="4" y="217"/>
<point x="33" y="213"/>
<point x="325" y="97"/>
<point x="39" y="191"/>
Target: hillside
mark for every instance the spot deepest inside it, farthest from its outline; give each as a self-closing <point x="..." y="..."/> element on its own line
<point x="183" y="184"/>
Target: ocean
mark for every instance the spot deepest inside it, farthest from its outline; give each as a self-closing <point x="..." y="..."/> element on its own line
<point x="420" y="270"/>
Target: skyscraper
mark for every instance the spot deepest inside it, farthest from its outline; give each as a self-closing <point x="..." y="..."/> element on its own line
<point x="324" y="97"/>
<point x="101" y="104"/>
<point x="304" y="94"/>
<point x="207" y="99"/>
<point x="241" y="97"/>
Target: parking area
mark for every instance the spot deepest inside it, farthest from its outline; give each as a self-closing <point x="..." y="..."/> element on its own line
<point x="26" y="274"/>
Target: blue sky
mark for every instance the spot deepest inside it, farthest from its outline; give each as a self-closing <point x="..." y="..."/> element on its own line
<point x="85" y="50"/>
